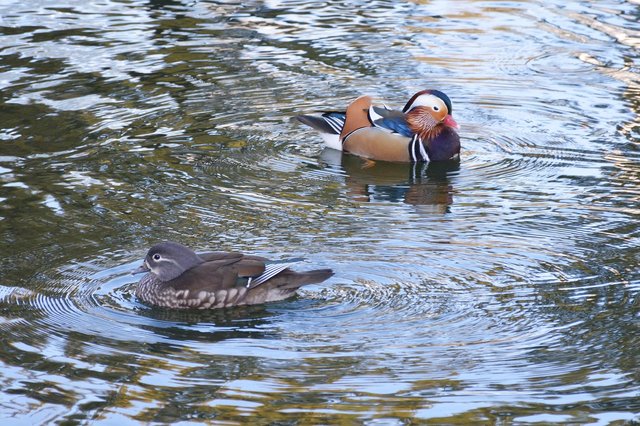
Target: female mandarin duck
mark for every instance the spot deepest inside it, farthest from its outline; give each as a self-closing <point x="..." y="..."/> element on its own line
<point x="179" y="278"/>
<point x="423" y="131"/>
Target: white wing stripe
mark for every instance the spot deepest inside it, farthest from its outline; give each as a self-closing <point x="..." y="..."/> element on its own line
<point x="335" y="123"/>
<point x="270" y="271"/>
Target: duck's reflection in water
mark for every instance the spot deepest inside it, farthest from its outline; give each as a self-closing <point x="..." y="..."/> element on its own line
<point x="427" y="185"/>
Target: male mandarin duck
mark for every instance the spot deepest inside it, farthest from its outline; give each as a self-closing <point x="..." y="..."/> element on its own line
<point x="423" y="131"/>
<point x="179" y="278"/>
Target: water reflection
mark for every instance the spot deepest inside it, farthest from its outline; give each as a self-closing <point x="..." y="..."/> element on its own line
<point x="423" y="184"/>
<point x="502" y="288"/>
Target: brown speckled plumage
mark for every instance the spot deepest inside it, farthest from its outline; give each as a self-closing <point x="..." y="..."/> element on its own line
<point x="178" y="278"/>
<point x="155" y="292"/>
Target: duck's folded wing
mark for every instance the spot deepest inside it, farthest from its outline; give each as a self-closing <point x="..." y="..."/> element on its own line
<point x="271" y="269"/>
<point x="249" y="267"/>
<point x="210" y="275"/>
<point x="211" y="256"/>
<point x="246" y="265"/>
<point x="232" y="271"/>
<point x="389" y="119"/>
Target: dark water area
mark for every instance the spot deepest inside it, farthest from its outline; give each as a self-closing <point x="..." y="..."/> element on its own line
<point x="503" y="288"/>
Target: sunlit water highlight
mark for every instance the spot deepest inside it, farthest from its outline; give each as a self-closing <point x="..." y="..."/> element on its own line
<point x="501" y="288"/>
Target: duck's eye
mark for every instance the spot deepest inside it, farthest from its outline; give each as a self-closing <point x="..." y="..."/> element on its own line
<point x="156" y="257"/>
<point x="435" y="108"/>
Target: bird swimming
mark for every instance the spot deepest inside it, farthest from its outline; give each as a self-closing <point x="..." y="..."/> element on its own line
<point x="179" y="278"/>
<point x="424" y="130"/>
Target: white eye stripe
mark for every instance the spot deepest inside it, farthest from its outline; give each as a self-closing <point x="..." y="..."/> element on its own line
<point x="160" y="265"/>
<point x="167" y="260"/>
<point x="426" y="100"/>
<point x="159" y="259"/>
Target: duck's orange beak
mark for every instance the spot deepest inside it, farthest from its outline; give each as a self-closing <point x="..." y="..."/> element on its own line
<point x="450" y="122"/>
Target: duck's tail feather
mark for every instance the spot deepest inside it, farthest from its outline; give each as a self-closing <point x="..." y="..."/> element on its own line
<point x="329" y="125"/>
<point x="329" y="122"/>
<point x="298" y="279"/>
<point x="316" y="122"/>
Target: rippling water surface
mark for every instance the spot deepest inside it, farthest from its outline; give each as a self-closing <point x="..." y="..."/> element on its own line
<point x="503" y="288"/>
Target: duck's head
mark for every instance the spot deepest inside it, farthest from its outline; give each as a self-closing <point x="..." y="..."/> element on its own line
<point x="428" y="112"/>
<point x="169" y="260"/>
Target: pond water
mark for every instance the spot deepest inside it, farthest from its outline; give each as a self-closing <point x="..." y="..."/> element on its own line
<point x="500" y="289"/>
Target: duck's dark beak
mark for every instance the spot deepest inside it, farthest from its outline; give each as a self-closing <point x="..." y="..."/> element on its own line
<point x="142" y="268"/>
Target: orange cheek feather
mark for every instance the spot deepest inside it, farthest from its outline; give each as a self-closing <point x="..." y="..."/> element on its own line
<point x="421" y="119"/>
